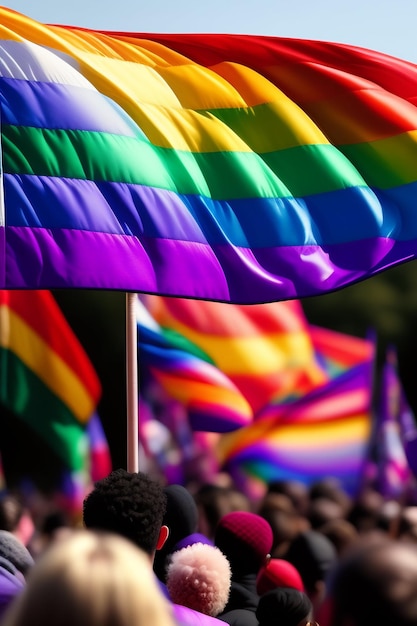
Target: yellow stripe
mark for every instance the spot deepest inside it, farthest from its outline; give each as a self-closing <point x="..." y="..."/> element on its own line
<point x="17" y="336"/>
<point x="255" y="355"/>
<point x="321" y="435"/>
<point x="165" y="100"/>
<point x="190" y="391"/>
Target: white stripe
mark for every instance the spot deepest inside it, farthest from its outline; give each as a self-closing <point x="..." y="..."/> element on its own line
<point x="28" y="61"/>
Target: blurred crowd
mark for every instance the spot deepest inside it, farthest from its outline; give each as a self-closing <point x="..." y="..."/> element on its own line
<point x="148" y="554"/>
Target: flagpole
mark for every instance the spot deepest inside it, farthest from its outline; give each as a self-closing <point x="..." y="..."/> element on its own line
<point x="132" y="384"/>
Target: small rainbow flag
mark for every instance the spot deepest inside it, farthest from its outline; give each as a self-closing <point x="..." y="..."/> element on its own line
<point x="261" y="349"/>
<point x="46" y="378"/>
<point x="212" y="401"/>
<point x="324" y="433"/>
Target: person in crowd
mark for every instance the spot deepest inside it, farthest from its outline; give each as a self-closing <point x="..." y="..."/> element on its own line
<point x="285" y="606"/>
<point x="130" y="504"/>
<point x="313" y="555"/>
<point x="15" y="564"/>
<point x="341" y="533"/>
<point x="15" y="517"/>
<point x="365" y="512"/>
<point x="133" y="505"/>
<point x="278" y="573"/>
<point x="297" y="491"/>
<point x="323" y="510"/>
<point x="199" y="576"/>
<point x="246" y="540"/>
<point x="284" y="519"/>
<point x="91" y="578"/>
<point x="375" y="583"/>
<point x="181" y="517"/>
<point x="215" y="501"/>
<point x="330" y="489"/>
<point x="14" y="552"/>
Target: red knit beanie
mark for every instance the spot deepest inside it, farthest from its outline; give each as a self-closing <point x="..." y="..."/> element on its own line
<point x="278" y="573"/>
<point x="246" y="539"/>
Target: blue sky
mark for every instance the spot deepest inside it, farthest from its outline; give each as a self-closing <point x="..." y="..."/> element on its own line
<point x="384" y="25"/>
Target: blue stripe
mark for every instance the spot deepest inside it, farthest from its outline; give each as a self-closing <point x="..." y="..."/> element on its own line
<point x="349" y="215"/>
<point x="54" y="105"/>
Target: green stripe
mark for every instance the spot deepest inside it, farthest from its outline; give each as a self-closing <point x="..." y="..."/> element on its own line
<point x="22" y="392"/>
<point x="264" y="127"/>
<point x="95" y="156"/>
<point x="385" y="163"/>
<point x="182" y="343"/>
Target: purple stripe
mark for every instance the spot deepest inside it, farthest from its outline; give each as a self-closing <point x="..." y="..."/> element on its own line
<point x="43" y="259"/>
<point x="46" y="259"/>
<point x="216" y="419"/>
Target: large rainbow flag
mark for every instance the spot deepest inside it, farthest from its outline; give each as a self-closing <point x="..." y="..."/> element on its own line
<point x="238" y="168"/>
<point x="46" y="377"/>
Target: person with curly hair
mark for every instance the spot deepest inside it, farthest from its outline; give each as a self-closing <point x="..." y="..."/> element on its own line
<point x="133" y="505"/>
<point x="130" y="504"/>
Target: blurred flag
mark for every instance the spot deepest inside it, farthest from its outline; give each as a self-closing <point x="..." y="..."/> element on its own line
<point x="263" y="350"/>
<point x="393" y="426"/>
<point x="212" y="400"/>
<point x="324" y="433"/>
<point x="47" y="379"/>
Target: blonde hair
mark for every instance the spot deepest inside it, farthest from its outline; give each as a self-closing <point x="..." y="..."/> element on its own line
<point x="91" y="579"/>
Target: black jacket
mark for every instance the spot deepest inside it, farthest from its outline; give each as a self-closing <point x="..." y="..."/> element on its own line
<point x="242" y="604"/>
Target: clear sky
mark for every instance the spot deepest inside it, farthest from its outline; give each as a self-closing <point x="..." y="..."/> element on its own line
<point x="385" y="25"/>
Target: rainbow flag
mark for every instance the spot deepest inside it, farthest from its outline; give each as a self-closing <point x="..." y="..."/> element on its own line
<point x="238" y="168"/>
<point x="212" y="401"/>
<point x="324" y="433"/>
<point x="46" y="378"/>
<point x="393" y="428"/>
<point x="337" y="352"/>
<point x="100" y="462"/>
<point x="263" y="350"/>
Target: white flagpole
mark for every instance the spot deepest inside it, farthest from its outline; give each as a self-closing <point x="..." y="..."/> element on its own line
<point x="132" y="394"/>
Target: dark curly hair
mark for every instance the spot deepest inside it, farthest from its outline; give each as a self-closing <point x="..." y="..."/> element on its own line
<point x="130" y="504"/>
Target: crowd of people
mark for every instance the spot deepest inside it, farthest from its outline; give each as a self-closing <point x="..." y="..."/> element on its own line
<point x="146" y="554"/>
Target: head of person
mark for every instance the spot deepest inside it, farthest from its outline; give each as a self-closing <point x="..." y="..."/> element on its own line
<point x="15" y="517"/>
<point x="375" y="583"/>
<point x="131" y="504"/>
<point x="286" y="606"/>
<point x="246" y="539"/>
<point x="314" y="556"/>
<point x="214" y="501"/>
<point x="181" y="517"/>
<point x="284" y="519"/>
<point x="278" y="573"/>
<point x="199" y="576"/>
<point x="91" y="579"/>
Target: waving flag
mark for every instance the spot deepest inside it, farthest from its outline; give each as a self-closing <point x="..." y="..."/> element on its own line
<point x="324" y="433"/>
<point x="393" y="428"/>
<point x="263" y="350"/>
<point x="238" y="168"/>
<point x="212" y="401"/>
<point x="337" y="352"/>
<point x="46" y="378"/>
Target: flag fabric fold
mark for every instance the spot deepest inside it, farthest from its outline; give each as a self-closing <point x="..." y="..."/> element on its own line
<point x="240" y="168"/>
<point x="324" y="433"/>
<point x="262" y="350"/>
<point x="212" y="401"/>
